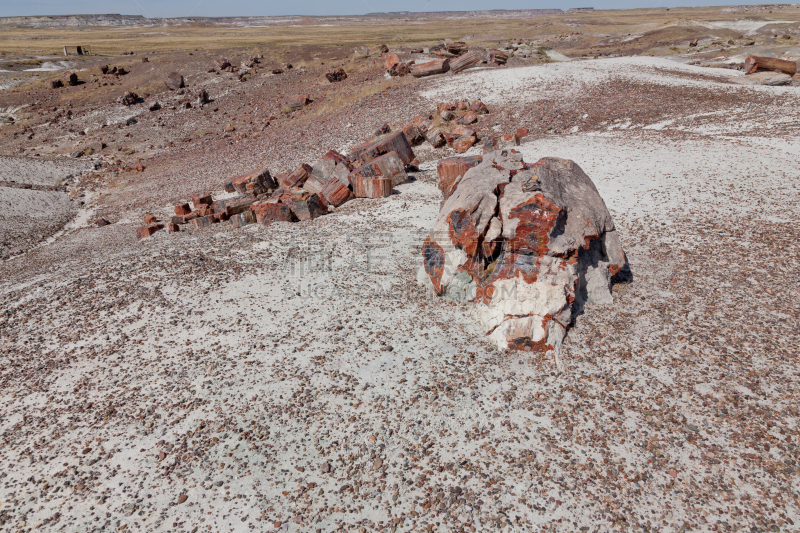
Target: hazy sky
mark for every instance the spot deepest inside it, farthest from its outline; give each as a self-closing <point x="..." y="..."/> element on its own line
<point x="217" y="8"/>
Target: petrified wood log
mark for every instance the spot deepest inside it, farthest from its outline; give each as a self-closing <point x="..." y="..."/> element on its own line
<point x="395" y="142"/>
<point x="371" y="187"/>
<point x="255" y="183"/>
<point x="529" y="244"/>
<point x="333" y="166"/>
<point x="439" y="66"/>
<point x="391" y="61"/>
<point x="388" y="166"/>
<point x="464" y="62"/>
<point x="754" y="63"/>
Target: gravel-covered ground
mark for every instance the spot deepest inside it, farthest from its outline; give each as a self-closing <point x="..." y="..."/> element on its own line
<point x="295" y="378"/>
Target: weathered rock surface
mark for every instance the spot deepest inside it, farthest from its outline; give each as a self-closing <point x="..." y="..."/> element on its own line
<point x="174" y="81"/>
<point x="764" y="78"/>
<point x="128" y="99"/>
<point x="529" y="244"/>
<point x="336" y="74"/>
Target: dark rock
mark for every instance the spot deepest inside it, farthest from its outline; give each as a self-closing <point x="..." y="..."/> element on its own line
<point x="174" y="81"/>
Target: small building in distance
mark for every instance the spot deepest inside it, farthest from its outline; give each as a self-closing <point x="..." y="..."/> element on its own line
<point x="79" y="50"/>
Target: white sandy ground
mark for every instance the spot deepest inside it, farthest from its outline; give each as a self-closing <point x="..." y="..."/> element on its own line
<point x="749" y="26"/>
<point x="28" y="216"/>
<point x="161" y="332"/>
<point x="524" y="84"/>
<point x="52" y="66"/>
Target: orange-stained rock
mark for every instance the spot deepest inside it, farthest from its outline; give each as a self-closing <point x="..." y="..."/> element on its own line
<point x="531" y="245"/>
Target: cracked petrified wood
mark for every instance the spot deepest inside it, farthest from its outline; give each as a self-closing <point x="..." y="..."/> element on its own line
<point x="529" y="244"/>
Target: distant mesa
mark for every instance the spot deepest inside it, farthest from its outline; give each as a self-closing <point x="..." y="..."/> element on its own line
<point x="135" y="20"/>
<point x="74" y="20"/>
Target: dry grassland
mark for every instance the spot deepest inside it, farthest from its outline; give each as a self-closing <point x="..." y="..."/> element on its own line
<point x="660" y="24"/>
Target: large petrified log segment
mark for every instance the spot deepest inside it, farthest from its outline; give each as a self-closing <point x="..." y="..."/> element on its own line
<point x="307" y="206"/>
<point x="386" y="166"/>
<point x="243" y="219"/>
<point x="255" y="183"/>
<point x="269" y="212"/>
<point x="371" y="187"/>
<point x="464" y="62"/>
<point x="336" y="193"/>
<point x="429" y="69"/>
<point x="755" y="63"/>
<point x="296" y="178"/>
<point x="395" y="142"/>
<point x="333" y="166"/>
<point x="530" y="244"/>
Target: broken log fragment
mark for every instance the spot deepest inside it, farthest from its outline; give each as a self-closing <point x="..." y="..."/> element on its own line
<point x="269" y="212"/>
<point x="333" y="166"/>
<point x="456" y="47"/>
<point x="464" y="62"/>
<point x="184" y="219"/>
<point x="182" y="209"/>
<point x="147" y="231"/>
<point x="371" y="187"/>
<point x="202" y="222"/>
<point x="479" y="108"/>
<point x="400" y="70"/>
<point x="233" y="206"/>
<point x="755" y="63"/>
<point x="391" y="61"/>
<point x="497" y="57"/>
<point x="435" y="137"/>
<point x="336" y="74"/>
<point x="439" y="66"/>
<point x="414" y="135"/>
<point x="336" y="193"/>
<point x="296" y="178"/>
<point x="468" y="118"/>
<point x="395" y="142"/>
<point x="452" y="168"/>
<point x="298" y="102"/>
<point x="307" y="206"/>
<point x="386" y="166"/>
<point x="255" y="183"/>
<point x="202" y="200"/>
<point x="464" y="143"/>
<point x="242" y="219"/>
